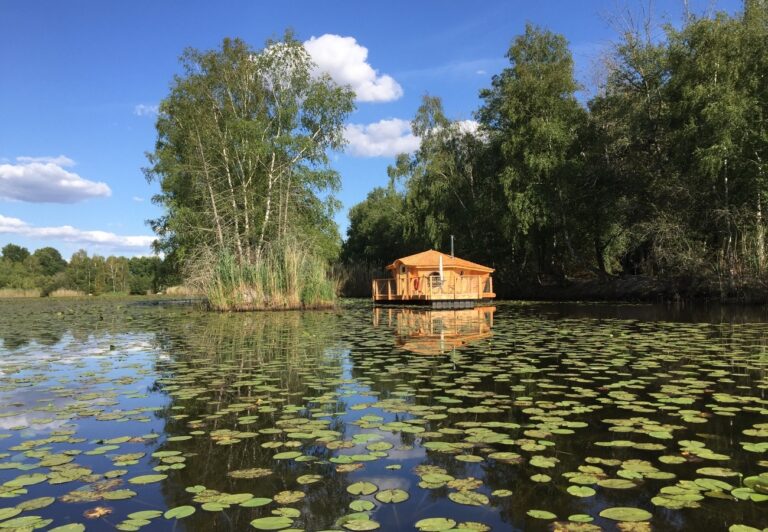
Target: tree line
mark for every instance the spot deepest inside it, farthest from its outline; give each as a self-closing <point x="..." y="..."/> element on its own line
<point x="46" y="271"/>
<point x="662" y="173"/>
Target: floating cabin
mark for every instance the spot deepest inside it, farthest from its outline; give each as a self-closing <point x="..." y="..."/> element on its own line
<point x="436" y="279"/>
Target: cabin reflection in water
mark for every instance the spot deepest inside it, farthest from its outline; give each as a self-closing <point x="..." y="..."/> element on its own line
<point x="434" y="332"/>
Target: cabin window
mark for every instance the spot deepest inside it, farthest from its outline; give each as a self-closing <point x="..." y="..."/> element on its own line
<point x="434" y="280"/>
<point x="402" y="268"/>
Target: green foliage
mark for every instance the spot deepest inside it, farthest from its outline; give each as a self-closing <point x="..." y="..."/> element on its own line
<point x="14" y="253"/>
<point x="376" y="228"/>
<point x="50" y="261"/>
<point x="46" y="271"/>
<point x="662" y="173"/>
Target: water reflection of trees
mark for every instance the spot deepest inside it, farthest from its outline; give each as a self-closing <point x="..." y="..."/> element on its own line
<point x="248" y="365"/>
<point x="49" y="321"/>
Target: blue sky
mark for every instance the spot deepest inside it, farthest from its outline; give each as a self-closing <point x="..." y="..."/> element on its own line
<point x="81" y="80"/>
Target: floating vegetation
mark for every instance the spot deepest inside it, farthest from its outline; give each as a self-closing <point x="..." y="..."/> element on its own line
<point x="144" y="416"/>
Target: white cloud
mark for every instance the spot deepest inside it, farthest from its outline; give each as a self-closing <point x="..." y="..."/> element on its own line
<point x="468" y="126"/>
<point x="387" y="138"/>
<point x="146" y="110"/>
<point x="384" y="138"/>
<point x="61" y="160"/>
<point x="44" y="180"/>
<point x="67" y="233"/>
<point x="137" y="199"/>
<point x="346" y="62"/>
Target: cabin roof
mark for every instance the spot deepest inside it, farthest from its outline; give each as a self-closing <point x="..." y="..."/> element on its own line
<point x="431" y="259"/>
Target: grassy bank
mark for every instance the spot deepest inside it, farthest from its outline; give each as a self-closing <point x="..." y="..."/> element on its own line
<point x="286" y="276"/>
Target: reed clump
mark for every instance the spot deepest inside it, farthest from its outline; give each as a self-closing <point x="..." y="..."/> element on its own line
<point x="283" y="276"/>
<point x="19" y="292"/>
<point x="182" y="290"/>
<point x="66" y="292"/>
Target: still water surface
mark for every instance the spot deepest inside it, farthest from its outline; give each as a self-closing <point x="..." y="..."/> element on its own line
<point x="513" y="417"/>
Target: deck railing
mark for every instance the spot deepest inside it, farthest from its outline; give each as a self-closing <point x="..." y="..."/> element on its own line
<point x="432" y="287"/>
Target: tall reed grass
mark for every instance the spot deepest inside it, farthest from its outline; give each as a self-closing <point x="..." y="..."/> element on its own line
<point x="181" y="290"/>
<point x="19" y="292"/>
<point x="65" y="292"/>
<point x="285" y="276"/>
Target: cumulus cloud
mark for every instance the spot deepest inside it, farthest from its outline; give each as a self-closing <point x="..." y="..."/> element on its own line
<point x="67" y="233"/>
<point x="61" y="160"/>
<point x="44" y="180"/>
<point x="346" y="62"/>
<point x="146" y="110"/>
<point x="468" y="126"/>
<point x="384" y="138"/>
<point x="387" y="138"/>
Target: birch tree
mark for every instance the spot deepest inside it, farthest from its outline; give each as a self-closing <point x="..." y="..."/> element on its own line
<point x="242" y="149"/>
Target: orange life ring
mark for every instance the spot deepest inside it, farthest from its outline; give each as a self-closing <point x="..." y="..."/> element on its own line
<point x="416" y="284"/>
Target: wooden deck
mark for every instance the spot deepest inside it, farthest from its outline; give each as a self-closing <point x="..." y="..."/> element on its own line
<point x="452" y="291"/>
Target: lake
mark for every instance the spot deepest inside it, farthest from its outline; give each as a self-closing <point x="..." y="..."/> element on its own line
<point x="520" y="416"/>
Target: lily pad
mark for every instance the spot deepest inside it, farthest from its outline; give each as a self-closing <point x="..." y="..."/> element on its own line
<point x="362" y="488"/>
<point x="271" y="523"/>
<point x="470" y="498"/>
<point x="541" y="514"/>
<point x="392" y="496"/>
<point x="180" y="512"/>
<point x="435" y="524"/>
<point x="147" y="479"/>
<point x="627" y="514"/>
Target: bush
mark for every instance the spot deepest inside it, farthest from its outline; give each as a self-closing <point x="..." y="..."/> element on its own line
<point x="286" y="275"/>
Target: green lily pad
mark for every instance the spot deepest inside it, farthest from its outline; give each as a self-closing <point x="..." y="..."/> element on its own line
<point x="541" y="514"/>
<point x="144" y="515"/>
<point x="362" y="488"/>
<point x="147" y="479"/>
<point x="7" y="513"/>
<point x="180" y="512"/>
<point x="256" y="502"/>
<point x="470" y="498"/>
<point x="435" y="524"/>
<point x="118" y="495"/>
<point x="392" y="496"/>
<point x="581" y="491"/>
<point x="361" y="524"/>
<point x="71" y="527"/>
<point x="361" y="505"/>
<point x="271" y="523"/>
<point x="35" y="504"/>
<point x="288" y="497"/>
<point x="288" y="455"/>
<point x="309" y="479"/>
<point x="627" y="514"/>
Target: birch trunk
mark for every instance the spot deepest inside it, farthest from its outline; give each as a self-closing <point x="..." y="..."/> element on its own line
<point x="216" y="218"/>
<point x="268" y="208"/>
<point x="233" y="200"/>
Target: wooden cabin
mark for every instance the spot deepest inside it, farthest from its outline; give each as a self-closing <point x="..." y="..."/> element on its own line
<point x="436" y="332"/>
<point x="436" y="279"/>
